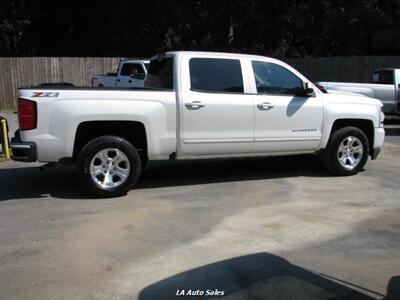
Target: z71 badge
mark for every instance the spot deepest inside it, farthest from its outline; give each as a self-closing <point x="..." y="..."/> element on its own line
<point x="45" y="94"/>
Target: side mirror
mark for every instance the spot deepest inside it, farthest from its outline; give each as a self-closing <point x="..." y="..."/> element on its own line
<point x="308" y="91"/>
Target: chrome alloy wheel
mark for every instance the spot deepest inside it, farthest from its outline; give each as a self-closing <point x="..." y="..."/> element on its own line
<point x="109" y="168"/>
<point x="350" y="152"/>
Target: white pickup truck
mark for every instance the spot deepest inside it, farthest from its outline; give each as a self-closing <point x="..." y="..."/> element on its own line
<point x="130" y="73"/>
<point x="195" y="105"/>
<point x="385" y="86"/>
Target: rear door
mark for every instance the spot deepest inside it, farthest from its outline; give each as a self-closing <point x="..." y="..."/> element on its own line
<point x="217" y="115"/>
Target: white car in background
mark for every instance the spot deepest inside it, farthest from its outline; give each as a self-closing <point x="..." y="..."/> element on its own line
<point x="385" y="86"/>
<point x="130" y="73"/>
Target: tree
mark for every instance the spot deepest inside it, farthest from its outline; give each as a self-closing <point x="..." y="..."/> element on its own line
<point x="284" y="28"/>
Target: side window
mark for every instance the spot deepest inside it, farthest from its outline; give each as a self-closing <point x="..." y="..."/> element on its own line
<point x="275" y="79"/>
<point x="129" y="69"/>
<point x="160" y="74"/>
<point x="383" y="77"/>
<point x="216" y="75"/>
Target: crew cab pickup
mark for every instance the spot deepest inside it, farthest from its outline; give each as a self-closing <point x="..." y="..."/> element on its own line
<point x="195" y="105"/>
<point x="385" y="86"/>
<point x="130" y="73"/>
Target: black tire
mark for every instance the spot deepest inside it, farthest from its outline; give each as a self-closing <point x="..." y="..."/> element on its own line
<point x="330" y="155"/>
<point x="89" y="151"/>
<point x="145" y="163"/>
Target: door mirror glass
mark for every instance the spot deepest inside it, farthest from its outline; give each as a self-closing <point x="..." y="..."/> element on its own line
<point x="309" y="91"/>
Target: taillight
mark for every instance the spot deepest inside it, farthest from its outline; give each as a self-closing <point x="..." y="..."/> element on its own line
<point x="27" y="114"/>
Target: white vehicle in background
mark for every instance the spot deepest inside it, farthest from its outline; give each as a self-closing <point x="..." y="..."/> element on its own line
<point x="130" y="73"/>
<point x="195" y="105"/>
<point x="385" y="86"/>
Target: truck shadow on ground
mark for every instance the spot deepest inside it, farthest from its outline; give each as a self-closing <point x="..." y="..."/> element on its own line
<point x="61" y="181"/>
<point x="256" y="276"/>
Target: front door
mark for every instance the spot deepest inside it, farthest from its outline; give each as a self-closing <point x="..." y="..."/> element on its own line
<point x="285" y="120"/>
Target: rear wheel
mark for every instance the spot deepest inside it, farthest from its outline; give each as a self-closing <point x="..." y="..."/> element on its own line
<point x="108" y="166"/>
<point x="347" y="151"/>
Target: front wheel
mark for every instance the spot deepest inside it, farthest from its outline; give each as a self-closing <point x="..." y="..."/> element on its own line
<point x="108" y="166"/>
<point x="347" y="151"/>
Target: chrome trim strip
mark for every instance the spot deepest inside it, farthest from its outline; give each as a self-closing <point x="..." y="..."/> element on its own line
<point x="287" y="139"/>
<point x="222" y="141"/>
<point x="20" y="146"/>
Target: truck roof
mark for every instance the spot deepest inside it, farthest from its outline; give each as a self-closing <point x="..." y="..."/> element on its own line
<point x="145" y="60"/>
<point x="208" y="53"/>
<point x="386" y="69"/>
<point x="222" y="55"/>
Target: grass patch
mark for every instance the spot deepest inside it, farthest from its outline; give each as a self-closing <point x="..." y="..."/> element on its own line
<point x="8" y="110"/>
<point x="392" y="119"/>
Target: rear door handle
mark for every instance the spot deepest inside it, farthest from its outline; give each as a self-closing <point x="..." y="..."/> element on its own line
<point x="194" y="105"/>
<point x="264" y="106"/>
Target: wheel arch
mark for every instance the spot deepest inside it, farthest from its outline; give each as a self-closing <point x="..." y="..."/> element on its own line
<point x="366" y="125"/>
<point x="133" y="131"/>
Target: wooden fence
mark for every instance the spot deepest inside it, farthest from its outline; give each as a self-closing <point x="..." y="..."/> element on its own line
<point x="23" y="71"/>
<point x="347" y="69"/>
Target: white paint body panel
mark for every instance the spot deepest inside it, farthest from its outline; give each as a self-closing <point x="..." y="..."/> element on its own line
<point x="229" y="125"/>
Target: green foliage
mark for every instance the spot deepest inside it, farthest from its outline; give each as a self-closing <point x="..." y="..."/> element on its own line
<point x="284" y="28"/>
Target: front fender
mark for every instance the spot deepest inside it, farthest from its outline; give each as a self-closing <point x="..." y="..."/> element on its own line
<point x="347" y="111"/>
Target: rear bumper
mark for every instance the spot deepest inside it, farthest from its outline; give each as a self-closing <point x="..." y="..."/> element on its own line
<point x="23" y="151"/>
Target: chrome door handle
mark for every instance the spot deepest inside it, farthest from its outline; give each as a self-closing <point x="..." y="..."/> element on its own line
<point x="264" y="106"/>
<point x="194" y="105"/>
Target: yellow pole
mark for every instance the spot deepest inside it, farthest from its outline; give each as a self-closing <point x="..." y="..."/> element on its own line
<point x="5" y="139"/>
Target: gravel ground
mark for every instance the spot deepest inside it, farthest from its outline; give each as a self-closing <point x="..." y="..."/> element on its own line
<point x="268" y="228"/>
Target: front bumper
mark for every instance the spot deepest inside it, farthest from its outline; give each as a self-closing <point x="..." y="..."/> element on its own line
<point x="23" y="151"/>
<point x="379" y="137"/>
<point x="375" y="152"/>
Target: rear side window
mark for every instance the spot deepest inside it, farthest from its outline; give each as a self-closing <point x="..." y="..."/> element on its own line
<point x="383" y="77"/>
<point x="275" y="79"/>
<point x="160" y="74"/>
<point x="216" y="75"/>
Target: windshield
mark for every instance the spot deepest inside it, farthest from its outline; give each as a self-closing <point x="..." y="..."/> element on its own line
<point x="160" y="74"/>
<point x="383" y="77"/>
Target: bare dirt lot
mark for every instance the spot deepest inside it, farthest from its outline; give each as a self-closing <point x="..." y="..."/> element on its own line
<point x="269" y="228"/>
